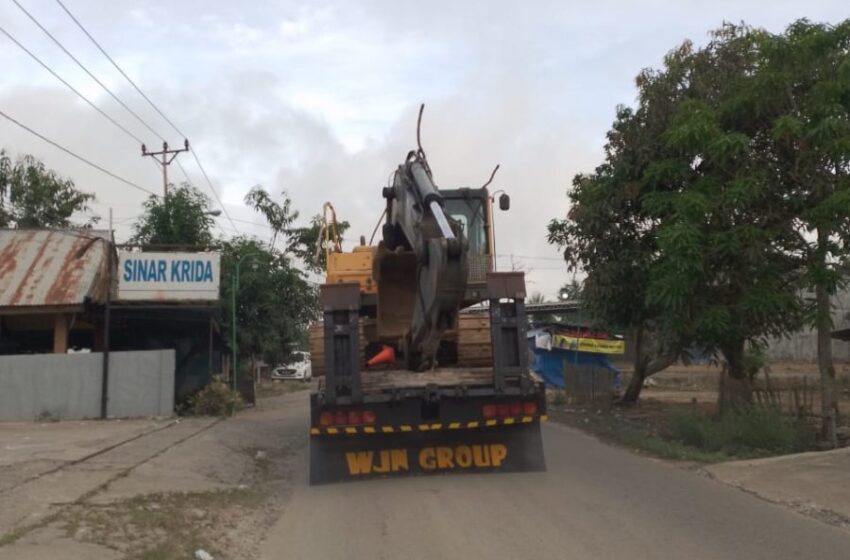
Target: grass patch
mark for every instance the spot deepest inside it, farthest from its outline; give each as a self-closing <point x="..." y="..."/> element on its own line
<point x="626" y="433"/>
<point x="268" y="388"/>
<point x="158" y="526"/>
<point x="667" y="449"/>
<point x="12" y="536"/>
<point x="684" y="433"/>
<point x="755" y="432"/>
<point x="557" y="398"/>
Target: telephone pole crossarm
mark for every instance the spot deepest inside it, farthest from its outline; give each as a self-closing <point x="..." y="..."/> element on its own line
<point x="164" y="159"/>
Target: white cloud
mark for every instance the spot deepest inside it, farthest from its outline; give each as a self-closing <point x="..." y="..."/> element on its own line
<point x="319" y="98"/>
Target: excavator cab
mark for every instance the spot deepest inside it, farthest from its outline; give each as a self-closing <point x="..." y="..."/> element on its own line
<point x="473" y="210"/>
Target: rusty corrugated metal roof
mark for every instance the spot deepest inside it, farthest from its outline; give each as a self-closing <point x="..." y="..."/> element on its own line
<point x="51" y="267"/>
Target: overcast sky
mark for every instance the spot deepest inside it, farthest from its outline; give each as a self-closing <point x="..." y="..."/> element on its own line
<point x="319" y="98"/>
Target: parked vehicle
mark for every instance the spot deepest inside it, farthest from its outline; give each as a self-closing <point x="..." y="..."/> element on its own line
<point x="300" y="369"/>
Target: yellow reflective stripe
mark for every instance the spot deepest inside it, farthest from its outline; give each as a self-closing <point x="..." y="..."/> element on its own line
<point x="315" y="431"/>
<point x="426" y="427"/>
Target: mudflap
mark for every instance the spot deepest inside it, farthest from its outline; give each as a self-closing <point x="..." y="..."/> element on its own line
<point x="504" y="448"/>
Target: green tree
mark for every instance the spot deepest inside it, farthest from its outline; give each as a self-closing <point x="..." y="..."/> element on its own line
<point x="691" y="229"/>
<point x="611" y="236"/>
<point x="279" y="215"/>
<point x="536" y="297"/>
<point x="307" y="243"/>
<point x="304" y="243"/>
<point x="32" y="196"/>
<point x="802" y="93"/>
<point x="181" y="218"/>
<point x="274" y="303"/>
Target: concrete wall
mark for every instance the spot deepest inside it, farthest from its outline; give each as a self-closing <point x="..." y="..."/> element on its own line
<point x="68" y="386"/>
<point x="803" y="345"/>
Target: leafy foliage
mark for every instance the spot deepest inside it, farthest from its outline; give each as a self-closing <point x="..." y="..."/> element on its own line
<point x="31" y="196"/>
<point x="216" y="399"/>
<point x="274" y="302"/>
<point x="304" y="243"/>
<point x="307" y="243"/>
<point x="180" y="218"/>
<point x="280" y="216"/>
<point x="694" y="225"/>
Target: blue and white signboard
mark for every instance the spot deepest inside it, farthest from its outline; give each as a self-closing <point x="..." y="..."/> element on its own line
<point x="168" y="276"/>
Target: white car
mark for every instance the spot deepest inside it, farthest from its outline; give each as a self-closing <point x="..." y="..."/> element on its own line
<point x="299" y="369"/>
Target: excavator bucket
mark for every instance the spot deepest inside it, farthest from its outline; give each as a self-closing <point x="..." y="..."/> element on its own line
<point x="395" y="273"/>
<point x="358" y="455"/>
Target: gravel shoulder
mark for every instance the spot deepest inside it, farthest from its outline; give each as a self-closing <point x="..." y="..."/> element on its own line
<point x="150" y="489"/>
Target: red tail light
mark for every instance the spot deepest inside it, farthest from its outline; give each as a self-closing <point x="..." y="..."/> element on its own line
<point x="326" y="419"/>
<point x="340" y="417"/>
<point x="354" y="417"/>
<point x="503" y="409"/>
<point x="489" y="411"/>
<point x="529" y="408"/>
<point x="516" y="408"/>
<point x="368" y="417"/>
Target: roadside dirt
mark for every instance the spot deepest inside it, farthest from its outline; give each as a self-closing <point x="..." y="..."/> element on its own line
<point x="680" y="384"/>
<point x="219" y="491"/>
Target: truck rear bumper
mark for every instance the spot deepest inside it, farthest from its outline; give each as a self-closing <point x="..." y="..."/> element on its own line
<point x="509" y="445"/>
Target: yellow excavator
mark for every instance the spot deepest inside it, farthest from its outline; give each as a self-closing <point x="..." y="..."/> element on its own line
<point x="421" y="359"/>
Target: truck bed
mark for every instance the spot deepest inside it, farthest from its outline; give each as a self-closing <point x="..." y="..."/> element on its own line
<point x="443" y="377"/>
<point x="375" y="381"/>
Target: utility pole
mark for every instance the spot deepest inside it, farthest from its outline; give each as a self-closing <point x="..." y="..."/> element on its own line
<point x="164" y="159"/>
<point x="104" y="381"/>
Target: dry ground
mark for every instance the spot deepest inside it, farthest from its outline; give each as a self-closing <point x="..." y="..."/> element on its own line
<point x="194" y="484"/>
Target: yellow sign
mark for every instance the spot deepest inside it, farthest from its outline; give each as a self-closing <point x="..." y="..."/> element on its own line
<point x="427" y="459"/>
<point x="596" y="345"/>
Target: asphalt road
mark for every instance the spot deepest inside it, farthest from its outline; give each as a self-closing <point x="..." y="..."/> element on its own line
<point x="596" y="501"/>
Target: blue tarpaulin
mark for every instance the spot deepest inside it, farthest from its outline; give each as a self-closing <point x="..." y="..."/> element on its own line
<point x="549" y="364"/>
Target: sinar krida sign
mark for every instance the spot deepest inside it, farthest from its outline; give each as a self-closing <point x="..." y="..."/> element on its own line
<point x="168" y="276"/>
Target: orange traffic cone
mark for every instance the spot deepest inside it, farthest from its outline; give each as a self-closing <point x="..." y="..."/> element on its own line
<point x="385" y="356"/>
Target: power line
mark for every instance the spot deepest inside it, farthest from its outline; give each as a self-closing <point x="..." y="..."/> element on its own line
<point x="115" y="64"/>
<point x="100" y="83"/>
<point x="508" y="256"/>
<point x="218" y="198"/>
<point x="72" y="88"/>
<point x="86" y="70"/>
<point x="152" y="104"/>
<point x="72" y="154"/>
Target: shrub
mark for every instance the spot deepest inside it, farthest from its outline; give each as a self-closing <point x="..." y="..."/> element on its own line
<point x="752" y="432"/>
<point x="216" y="399"/>
<point x="559" y="398"/>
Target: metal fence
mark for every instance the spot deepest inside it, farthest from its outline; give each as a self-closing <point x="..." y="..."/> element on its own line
<point x="68" y="386"/>
<point x="589" y="386"/>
